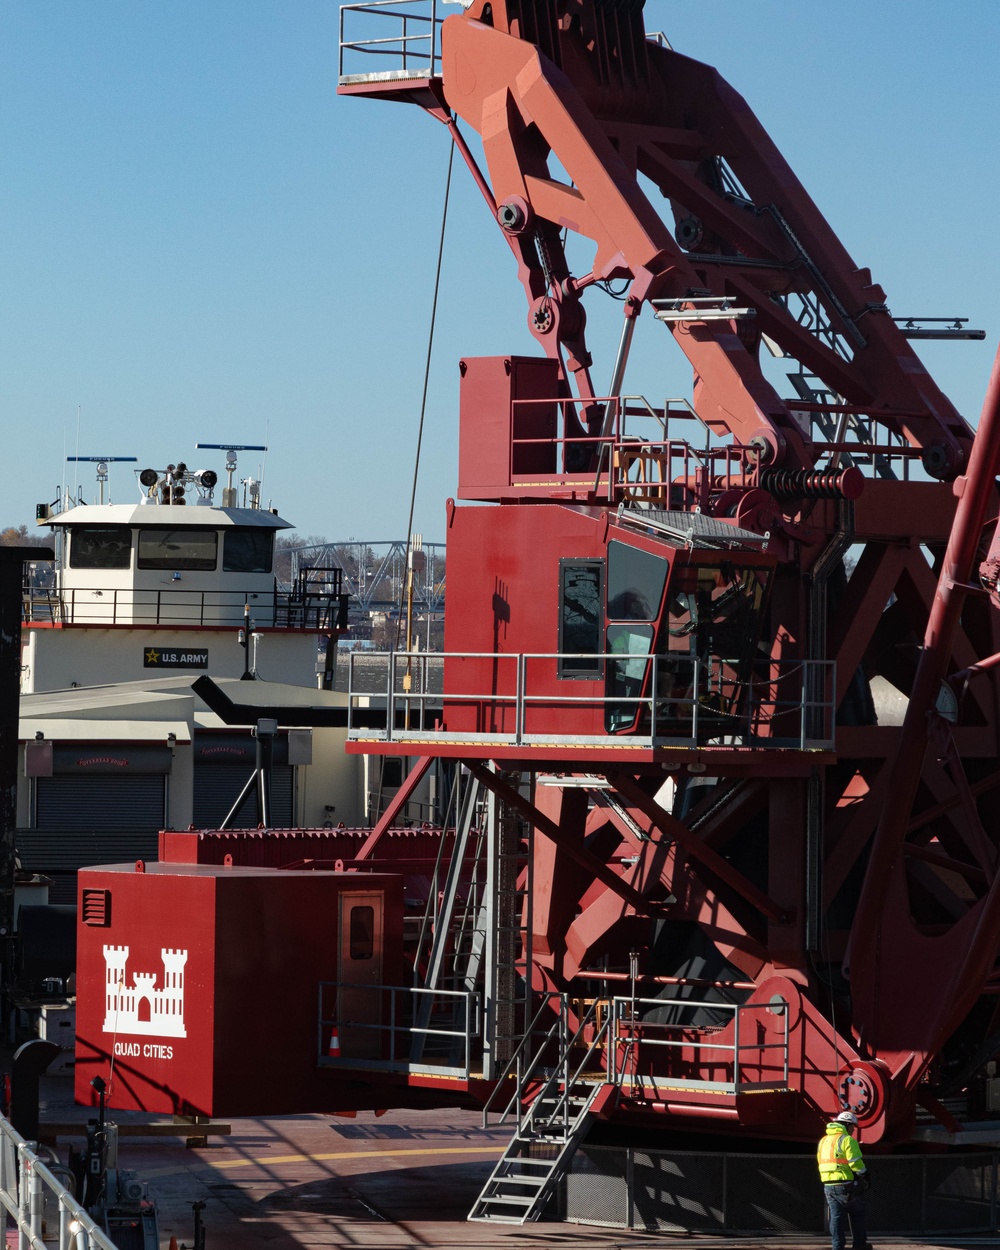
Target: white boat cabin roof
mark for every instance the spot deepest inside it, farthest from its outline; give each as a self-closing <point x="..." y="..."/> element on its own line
<point x="177" y="516"/>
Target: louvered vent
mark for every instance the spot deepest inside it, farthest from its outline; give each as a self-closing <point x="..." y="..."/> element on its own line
<point x="97" y="908"/>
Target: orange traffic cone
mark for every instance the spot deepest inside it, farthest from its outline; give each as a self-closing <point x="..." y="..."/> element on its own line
<point x="173" y="1244"/>
<point x="334" y="1051"/>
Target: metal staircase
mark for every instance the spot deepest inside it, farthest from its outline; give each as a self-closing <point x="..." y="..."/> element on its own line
<point x="557" y="1119"/>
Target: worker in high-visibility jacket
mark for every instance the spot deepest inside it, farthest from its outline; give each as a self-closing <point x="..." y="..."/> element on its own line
<point x="845" y="1180"/>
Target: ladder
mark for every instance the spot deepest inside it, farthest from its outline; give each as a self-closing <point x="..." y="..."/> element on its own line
<point x="509" y="927"/>
<point x="455" y="930"/>
<point x="547" y="1135"/>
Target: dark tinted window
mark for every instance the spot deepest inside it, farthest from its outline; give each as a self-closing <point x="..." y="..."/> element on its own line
<point x="580" y="616"/>
<point x="392" y="772"/>
<point x="100" y="547"/>
<point x="178" y="549"/>
<point x="248" y="551"/>
<point x="362" y="932"/>
<point x="635" y="583"/>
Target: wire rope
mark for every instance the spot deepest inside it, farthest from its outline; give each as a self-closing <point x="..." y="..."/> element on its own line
<point x="420" y="429"/>
<point x="427" y="374"/>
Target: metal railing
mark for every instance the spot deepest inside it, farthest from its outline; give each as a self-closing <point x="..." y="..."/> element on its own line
<point x="306" y="606"/>
<point x="524" y="1064"/>
<point x="400" y="39"/>
<point x="645" y="700"/>
<point x="549" y="437"/>
<point x="634" y="1030"/>
<point x="614" y="1037"/>
<point x="395" y="1028"/>
<point x="32" y="1195"/>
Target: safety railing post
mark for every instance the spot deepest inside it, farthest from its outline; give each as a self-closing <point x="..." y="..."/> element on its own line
<point x="23" y="1194"/>
<point x="750" y="711"/>
<point x="6" y="1166"/>
<point x="434" y="39"/>
<point x="37" y="1204"/>
<point x="736" y="1049"/>
<point x="654" y="702"/>
<point x="803" y="706"/>
<point x="390" y="699"/>
<point x="697" y="700"/>
<point x="319" y="1022"/>
<point x="785" y="1012"/>
<point x="392" y="1023"/>
<point x="519" y="698"/>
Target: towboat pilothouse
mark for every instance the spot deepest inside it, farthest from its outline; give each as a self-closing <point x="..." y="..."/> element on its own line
<point x="142" y="599"/>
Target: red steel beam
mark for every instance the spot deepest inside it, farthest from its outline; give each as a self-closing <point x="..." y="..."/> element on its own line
<point x="396" y="805"/>
<point x="693" y="845"/>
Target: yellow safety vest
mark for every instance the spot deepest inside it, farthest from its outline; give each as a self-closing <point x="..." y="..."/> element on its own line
<point x="838" y="1156"/>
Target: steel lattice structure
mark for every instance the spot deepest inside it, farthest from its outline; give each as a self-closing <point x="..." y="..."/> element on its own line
<point x="375" y="573"/>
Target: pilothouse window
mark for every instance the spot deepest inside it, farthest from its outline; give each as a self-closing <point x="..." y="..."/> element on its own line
<point x="100" y="547"/>
<point x="248" y="551"/>
<point x="192" y="549"/>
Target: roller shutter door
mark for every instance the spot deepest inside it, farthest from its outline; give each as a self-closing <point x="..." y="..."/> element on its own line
<point x="217" y="787"/>
<point x="128" y="802"/>
<point x="81" y="821"/>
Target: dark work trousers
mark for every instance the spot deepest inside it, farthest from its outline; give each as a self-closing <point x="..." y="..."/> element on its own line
<point x="846" y="1203"/>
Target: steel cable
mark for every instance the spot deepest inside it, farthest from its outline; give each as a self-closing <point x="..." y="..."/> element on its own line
<point x="427" y="374"/>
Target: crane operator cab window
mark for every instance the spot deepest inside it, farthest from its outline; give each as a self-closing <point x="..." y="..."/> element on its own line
<point x="687" y="635"/>
<point x="636" y="580"/>
<point x="708" y="646"/>
<point x="581" y="619"/>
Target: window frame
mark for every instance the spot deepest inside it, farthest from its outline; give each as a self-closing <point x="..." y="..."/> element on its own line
<point x="361" y="941"/>
<point x="568" y="668"/>
<point x="241" y="530"/>
<point x="185" y="566"/>
<point x="78" y="531"/>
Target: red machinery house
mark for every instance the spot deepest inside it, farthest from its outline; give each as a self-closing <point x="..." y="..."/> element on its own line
<point x="211" y="977"/>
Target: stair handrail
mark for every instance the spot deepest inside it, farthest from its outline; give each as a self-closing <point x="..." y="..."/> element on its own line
<point x="513" y="1065"/>
<point x="561" y="1074"/>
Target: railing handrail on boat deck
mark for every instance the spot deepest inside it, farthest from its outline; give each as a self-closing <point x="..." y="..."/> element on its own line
<point x="24" y="1180"/>
<point x="304" y="607"/>
<point x="798" y="695"/>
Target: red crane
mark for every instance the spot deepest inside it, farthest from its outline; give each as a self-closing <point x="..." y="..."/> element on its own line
<point x="775" y="852"/>
<point x="725" y="668"/>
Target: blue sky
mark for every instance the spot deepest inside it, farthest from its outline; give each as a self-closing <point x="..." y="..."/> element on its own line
<point x="202" y="242"/>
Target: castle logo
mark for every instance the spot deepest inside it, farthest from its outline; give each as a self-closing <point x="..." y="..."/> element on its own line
<point x="141" y="1007"/>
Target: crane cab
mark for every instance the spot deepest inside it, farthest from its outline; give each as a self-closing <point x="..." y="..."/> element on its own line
<point x="577" y="628"/>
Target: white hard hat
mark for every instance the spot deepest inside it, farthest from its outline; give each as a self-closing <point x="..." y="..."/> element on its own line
<point x="848" y="1117"/>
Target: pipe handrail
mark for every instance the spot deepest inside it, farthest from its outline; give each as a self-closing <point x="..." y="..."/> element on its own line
<point x="23" y="1181"/>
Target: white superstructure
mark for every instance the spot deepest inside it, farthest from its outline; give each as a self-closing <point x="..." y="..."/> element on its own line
<point x="168" y="585"/>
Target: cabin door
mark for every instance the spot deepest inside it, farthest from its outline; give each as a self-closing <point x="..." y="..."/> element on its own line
<point x="359" y="971"/>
